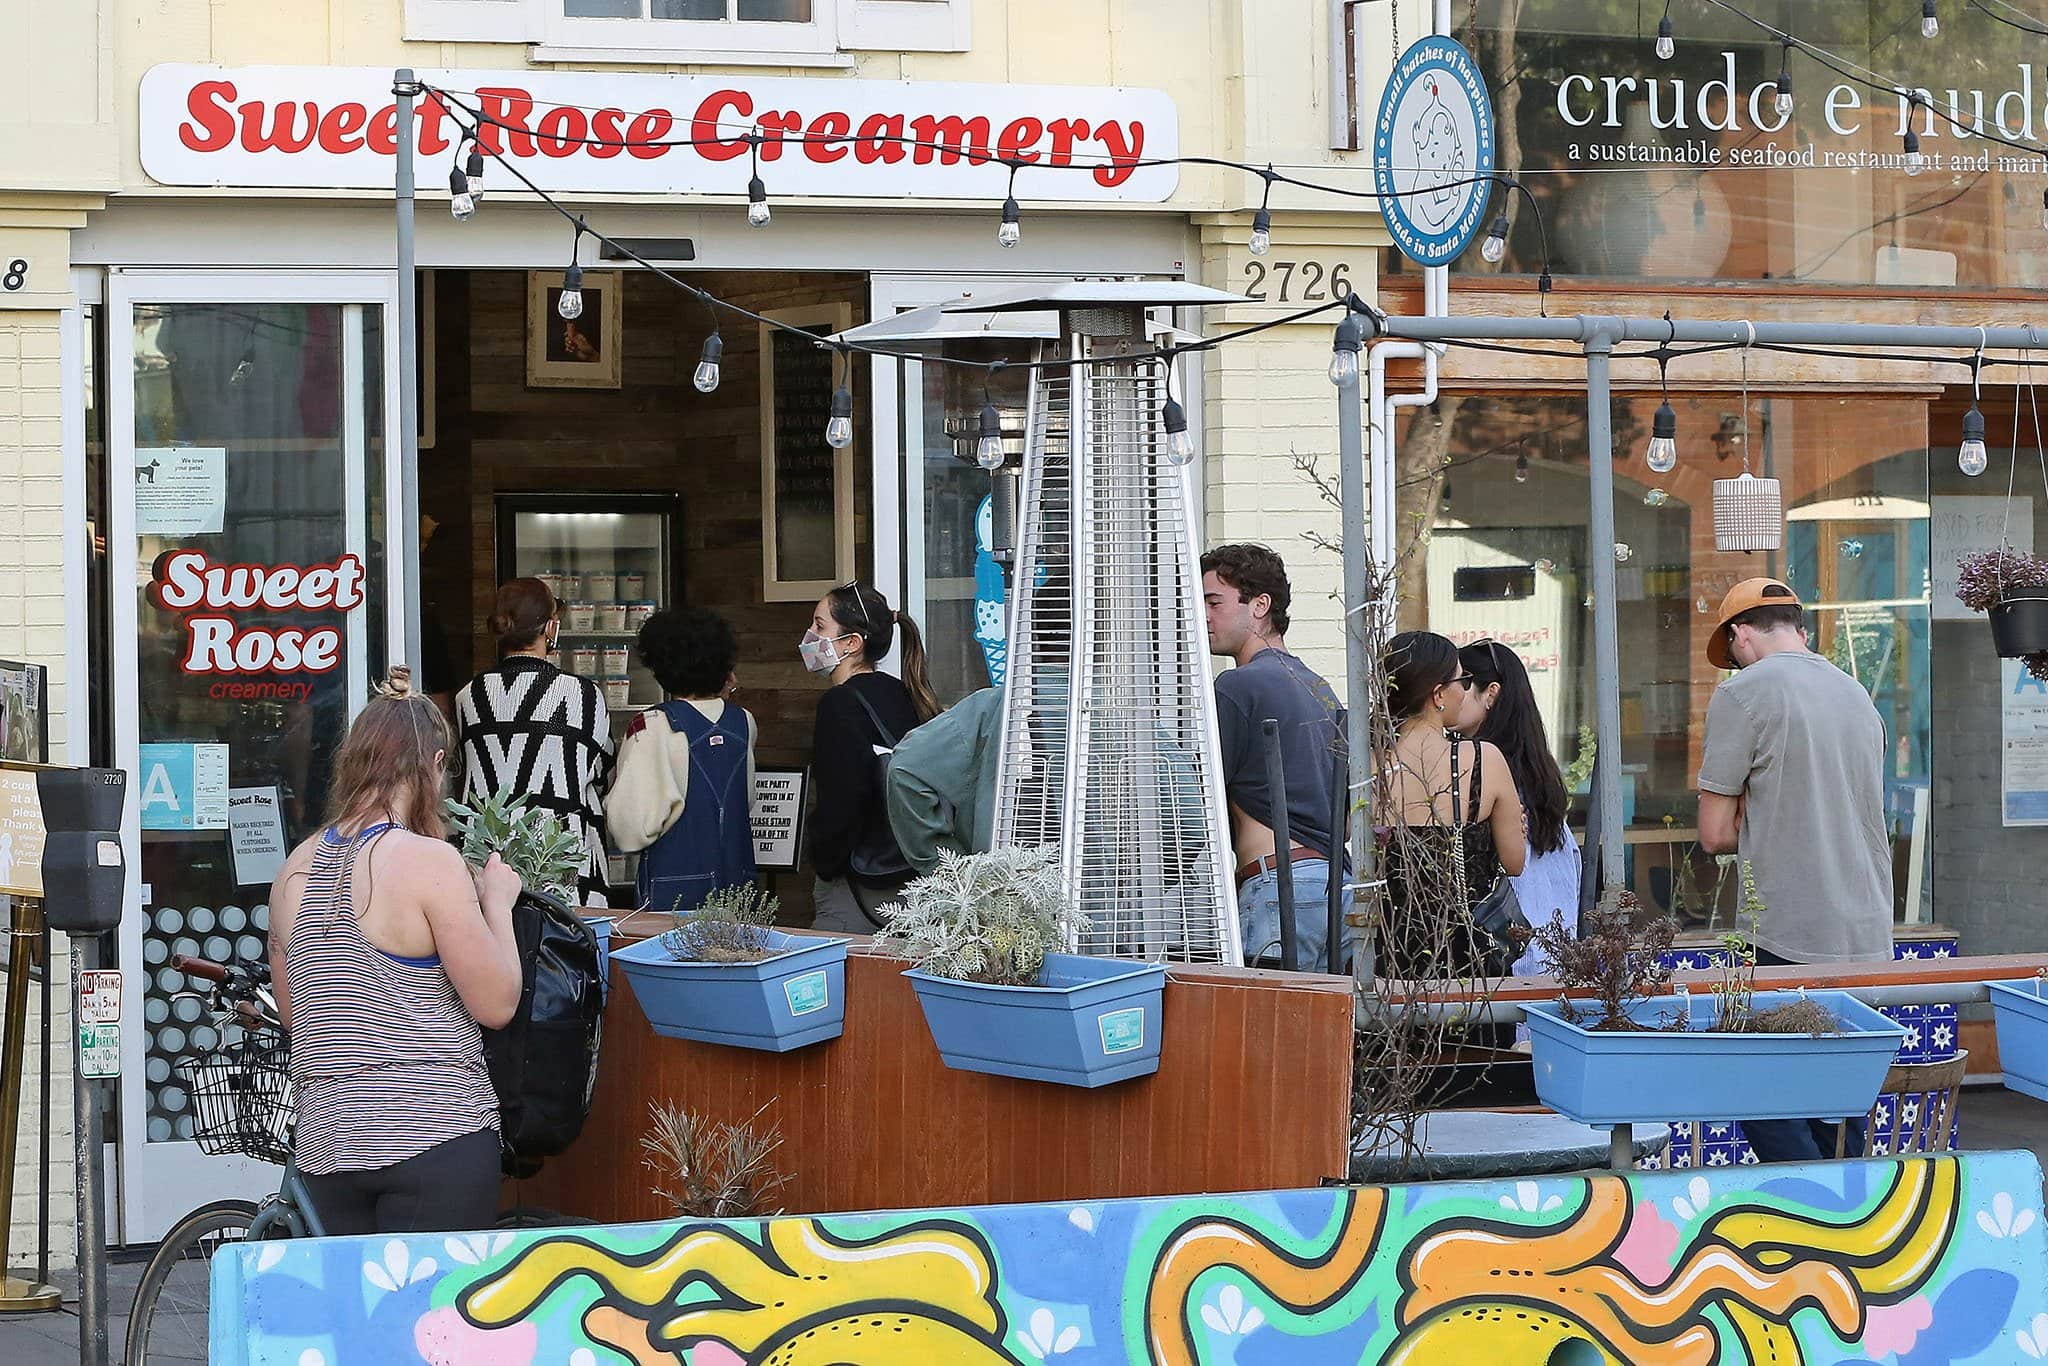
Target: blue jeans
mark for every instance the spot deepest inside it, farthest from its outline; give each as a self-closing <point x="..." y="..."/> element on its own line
<point x="1258" y="916"/>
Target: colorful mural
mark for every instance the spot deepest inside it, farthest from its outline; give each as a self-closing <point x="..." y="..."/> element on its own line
<point x="1922" y="1262"/>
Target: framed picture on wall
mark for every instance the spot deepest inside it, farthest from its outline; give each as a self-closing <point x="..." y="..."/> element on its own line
<point x="573" y="353"/>
<point x="806" y="485"/>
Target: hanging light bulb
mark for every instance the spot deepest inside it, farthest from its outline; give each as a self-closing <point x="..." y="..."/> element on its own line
<point x="706" y="378"/>
<point x="1262" y="232"/>
<point x="1972" y="458"/>
<point x="570" y="304"/>
<point x="474" y="170"/>
<point x="1784" y="101"/>
<point x="1496" y="244"/>
<point x="1180" y="446"/>
<point x="988" y="448"/>
<point x="839" y="431"/>
<point x="1663" y="453"/>
<point x="1344" y="358"/>
<point x="1915" y="162"/>
<point x="1012" y="230"/>
<point x="1930" y="24"/>
<point x="757" y="203"/>
<point x="461" y="202"/>
<point x="1522" y="468"/>
<point x="1667" y="46"/>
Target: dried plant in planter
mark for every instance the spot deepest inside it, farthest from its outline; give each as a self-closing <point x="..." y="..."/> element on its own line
<point x="1617" y="956"/>
<point x="538" y="845"/>
<point x="713" y="1170"/>
<point x="729" y="926"/>
<point x="986" y="917"/>
<point x="1736" y="1012"/>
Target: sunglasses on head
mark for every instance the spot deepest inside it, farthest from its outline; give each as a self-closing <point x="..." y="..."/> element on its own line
<point x="852" y="588"/>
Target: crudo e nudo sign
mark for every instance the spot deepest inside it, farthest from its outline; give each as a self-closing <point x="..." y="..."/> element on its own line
<point x="225" y="606"/>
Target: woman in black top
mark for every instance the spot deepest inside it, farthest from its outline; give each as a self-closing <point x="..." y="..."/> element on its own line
<point x="527" y="726"/>
<point x="862" y="717"/>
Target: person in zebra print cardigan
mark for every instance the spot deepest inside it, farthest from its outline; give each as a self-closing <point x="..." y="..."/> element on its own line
<point x="528" y="726"/>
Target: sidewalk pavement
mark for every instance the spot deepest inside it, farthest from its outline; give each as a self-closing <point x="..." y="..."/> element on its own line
<point x="1990" y="1118"/>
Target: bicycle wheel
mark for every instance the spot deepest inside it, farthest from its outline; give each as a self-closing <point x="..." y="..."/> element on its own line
<point x="167" y="1326"/>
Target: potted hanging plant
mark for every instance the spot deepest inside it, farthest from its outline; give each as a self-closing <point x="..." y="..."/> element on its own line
<point x="2011" y="588"/>
<point x="723" y="974"/>
<point x="1635" y="1055"/>
<point x="984" y="930"/>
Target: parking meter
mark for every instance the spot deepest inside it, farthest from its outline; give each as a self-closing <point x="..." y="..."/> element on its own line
<point x="84" y="873"/>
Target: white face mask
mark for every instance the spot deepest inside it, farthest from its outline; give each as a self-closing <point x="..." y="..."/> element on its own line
<point x="819" y="654"/>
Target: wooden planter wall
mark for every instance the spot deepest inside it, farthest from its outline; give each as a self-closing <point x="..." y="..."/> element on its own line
<point x="1253" y="1092"/>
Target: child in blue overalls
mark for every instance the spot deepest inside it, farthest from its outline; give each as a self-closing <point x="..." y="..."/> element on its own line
<point x="682" y="793"/>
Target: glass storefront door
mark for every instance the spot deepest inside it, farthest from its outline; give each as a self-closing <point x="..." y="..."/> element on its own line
<point x="250" y="422"/>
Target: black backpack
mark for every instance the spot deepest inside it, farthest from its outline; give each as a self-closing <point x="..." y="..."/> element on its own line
<point x="543" y="1063"/>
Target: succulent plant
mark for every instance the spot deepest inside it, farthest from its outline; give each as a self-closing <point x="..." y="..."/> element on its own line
<point x="986" y="917"/>
<point x="543" y="848"/>
<point x="1985" y="578"/>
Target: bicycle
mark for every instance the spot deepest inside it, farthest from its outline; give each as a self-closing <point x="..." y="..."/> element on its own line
<point x="243" y="1103"/>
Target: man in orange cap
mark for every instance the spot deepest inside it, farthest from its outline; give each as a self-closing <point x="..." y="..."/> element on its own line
<point x="1792" y="778"/>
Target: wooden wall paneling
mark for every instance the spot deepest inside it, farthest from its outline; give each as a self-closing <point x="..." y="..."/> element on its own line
<point x="874" y="1120"/>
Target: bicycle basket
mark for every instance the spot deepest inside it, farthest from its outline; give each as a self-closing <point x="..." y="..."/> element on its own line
<point x="242" y="1100"/>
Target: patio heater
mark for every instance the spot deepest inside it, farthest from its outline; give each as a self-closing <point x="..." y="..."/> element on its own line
<point x="1109" y="747"/>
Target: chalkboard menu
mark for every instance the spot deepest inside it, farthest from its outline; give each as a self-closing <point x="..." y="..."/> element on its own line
<point x="803" y="465"/>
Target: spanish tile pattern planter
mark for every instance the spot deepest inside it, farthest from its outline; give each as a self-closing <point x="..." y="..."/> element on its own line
<point x="1930" y="1037"/>
<point x="1922" y="1260"/>
<point x="795" y="998"/>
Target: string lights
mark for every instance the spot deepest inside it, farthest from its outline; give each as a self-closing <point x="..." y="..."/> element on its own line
<point x="757" y="193"/>
<point x="1011" y="231"/>
<point x="1783" y="103"/>
<point x="461" y="202"/>
<point x="1173" y="420"/>
<point x="1667" y="45"/>
<point x="570" y="302"/>
<point x="706" y="377"/>
<point x="1930" y="22"/>
<point x="839" y="430"/>
<point x="1262" y="221"/>
<point x="1972" y="457"/>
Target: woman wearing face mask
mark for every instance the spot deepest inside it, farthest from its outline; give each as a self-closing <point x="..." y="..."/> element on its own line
<point x="860" y="719"/>
<point x="1500" y="708"/>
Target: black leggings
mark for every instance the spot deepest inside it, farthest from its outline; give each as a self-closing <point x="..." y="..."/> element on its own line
<point x="450" y="1187"/>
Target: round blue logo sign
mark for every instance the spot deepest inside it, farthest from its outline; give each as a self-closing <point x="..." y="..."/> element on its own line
<point x="1432" y="147"/>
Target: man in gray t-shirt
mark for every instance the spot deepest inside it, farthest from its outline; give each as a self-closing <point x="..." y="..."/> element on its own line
<point x="1792" y="778"/>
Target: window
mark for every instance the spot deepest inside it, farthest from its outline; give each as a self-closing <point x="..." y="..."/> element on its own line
<point x="769" y="32"/>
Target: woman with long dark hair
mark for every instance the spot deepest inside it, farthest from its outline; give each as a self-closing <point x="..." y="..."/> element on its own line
<point x="526" y="725"/>
<point x="387" y="953"/>
<point x="1455" y="798"/>
<point x="1500" y="708"/>
<point x="860" y="720"/>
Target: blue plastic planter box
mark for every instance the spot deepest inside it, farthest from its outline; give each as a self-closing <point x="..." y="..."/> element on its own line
<point x="1094" y="1021"/>
<point x="1651" y="1076"/>
<point x="2020" y="1013"/>
<point x="794" y="998"/>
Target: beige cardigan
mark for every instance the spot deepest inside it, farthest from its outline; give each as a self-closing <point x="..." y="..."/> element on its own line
<point x="652" y="777"/>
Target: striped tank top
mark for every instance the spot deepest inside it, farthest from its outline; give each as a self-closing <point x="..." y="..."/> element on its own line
<point x="386" y="1060"/>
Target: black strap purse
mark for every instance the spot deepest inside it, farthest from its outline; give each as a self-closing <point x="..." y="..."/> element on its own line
<point x="1499" y="929"/>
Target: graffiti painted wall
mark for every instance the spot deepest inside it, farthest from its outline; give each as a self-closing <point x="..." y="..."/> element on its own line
<point x="1923" y="1262"/>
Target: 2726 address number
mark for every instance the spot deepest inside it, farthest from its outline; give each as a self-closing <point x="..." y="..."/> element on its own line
<point x="1286" y="282"/>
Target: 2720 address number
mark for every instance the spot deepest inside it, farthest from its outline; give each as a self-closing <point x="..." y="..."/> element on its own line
<point x="1286" y="282"/>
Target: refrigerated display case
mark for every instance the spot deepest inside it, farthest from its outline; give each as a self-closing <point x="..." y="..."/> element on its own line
<point x="611" y="561"/>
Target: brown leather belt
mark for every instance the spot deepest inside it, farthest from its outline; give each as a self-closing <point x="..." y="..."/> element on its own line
<point x="1267" y="862"/>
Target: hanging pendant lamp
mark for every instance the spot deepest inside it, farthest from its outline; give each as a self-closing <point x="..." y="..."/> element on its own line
<point x="1749" y="510"/>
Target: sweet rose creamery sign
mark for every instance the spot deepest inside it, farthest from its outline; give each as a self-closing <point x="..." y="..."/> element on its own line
<point x="584" y="132"/>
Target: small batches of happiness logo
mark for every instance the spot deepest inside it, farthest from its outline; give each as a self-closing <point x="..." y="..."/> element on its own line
<point x="1432" y="151"/>
<point x="220" y="642"/>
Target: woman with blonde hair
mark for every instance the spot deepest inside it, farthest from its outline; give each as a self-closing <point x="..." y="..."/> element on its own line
<point x="389" y="955"/>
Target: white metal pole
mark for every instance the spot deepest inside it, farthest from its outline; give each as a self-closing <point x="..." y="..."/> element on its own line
<point x="1606" y="633"/>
